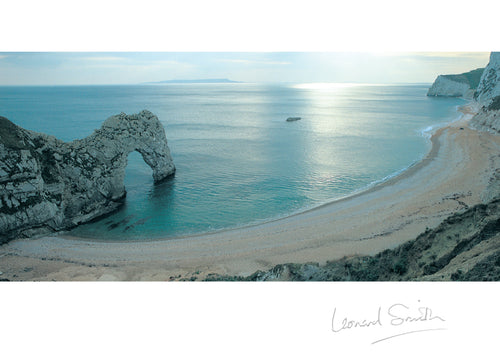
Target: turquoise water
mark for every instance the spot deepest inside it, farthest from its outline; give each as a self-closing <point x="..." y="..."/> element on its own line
<point x="238" y="161"/>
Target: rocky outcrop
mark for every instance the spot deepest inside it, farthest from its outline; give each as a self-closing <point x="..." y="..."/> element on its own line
<point x="462" y="85"/>
<point x="488" y="117"/>
<point x="48" y="185"/>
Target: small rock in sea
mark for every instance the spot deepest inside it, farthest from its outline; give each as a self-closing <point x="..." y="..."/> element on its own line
<point x="113" y="225"/>
<point x="290" y="119"/>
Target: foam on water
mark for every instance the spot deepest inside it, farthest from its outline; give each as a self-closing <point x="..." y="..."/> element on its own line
<point x="429" y="131"/>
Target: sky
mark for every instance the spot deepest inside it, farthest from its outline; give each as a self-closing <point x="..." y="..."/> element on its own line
<point x="88" y="68"/>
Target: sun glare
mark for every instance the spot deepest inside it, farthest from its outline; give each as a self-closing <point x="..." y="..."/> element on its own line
<point x="325" y="86"/>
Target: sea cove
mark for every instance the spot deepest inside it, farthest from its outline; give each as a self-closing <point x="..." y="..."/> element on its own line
<point x="238" y="161"/>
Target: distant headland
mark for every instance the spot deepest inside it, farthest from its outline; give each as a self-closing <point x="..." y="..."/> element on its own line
<point x="197" y="81"/>
<point x="460" y="85"/>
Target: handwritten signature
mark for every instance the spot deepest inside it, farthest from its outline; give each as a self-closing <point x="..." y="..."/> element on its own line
<point x="395" y="315"/>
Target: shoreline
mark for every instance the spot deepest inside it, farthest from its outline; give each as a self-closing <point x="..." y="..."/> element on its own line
<point x="364" y="223"/>
<point x="400" y="174"/>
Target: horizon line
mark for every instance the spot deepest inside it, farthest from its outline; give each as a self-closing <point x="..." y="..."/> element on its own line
<point x="159" y="83"/>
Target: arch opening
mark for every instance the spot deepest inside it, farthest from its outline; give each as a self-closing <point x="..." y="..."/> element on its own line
<point x="138" y="174"/>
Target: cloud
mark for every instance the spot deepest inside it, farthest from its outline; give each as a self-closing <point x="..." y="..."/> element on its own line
<point x="169" y="63"/>
<point x="454" y="54"/>
<point x="105" y="59"/>
<point x="423" y="54"/>
<point x="255" y="62"/>
<point x="127" y="63"/>
<point x="138" y="67"/>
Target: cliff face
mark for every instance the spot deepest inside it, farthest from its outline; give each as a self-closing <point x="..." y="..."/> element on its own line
<point x="488" y="118"/>
<point x="489" y="86"/>
<point x="443" y="86"/>
<point x="488" y="97"/>
<point x="462" y="85"/>
<point x="482" y="85"/>
<point x="48" y="185"/>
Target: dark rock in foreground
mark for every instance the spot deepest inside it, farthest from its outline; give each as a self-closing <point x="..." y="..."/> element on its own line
<point x="48" y="185"/>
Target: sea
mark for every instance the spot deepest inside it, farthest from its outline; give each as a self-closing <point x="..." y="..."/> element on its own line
<point x="239" y="162"/>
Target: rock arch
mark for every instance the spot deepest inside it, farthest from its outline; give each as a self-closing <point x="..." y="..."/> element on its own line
<point x="48" y="185"/>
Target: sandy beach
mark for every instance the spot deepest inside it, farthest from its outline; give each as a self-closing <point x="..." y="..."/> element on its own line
<point x="453" y="176"/>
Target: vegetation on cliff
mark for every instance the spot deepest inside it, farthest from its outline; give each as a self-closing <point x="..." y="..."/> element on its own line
<point x="495" y="104"/>
<point x="471" y="78"/>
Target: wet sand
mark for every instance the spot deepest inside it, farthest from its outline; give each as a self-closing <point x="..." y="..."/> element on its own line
<point x="454" y="175"/>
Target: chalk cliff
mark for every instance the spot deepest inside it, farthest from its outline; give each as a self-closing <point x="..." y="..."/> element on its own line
<point x="481" y="85"/>
<point x="488" y="117"/>
<point x="488" y="97"/>
<point x="48" y="185"/>
<point x="462" y="85"/>
<point x="489" y="86"/>
<point x="444" y="86"/>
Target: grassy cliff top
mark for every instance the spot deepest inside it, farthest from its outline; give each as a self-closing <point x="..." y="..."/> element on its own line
<point x="471" y="78"/>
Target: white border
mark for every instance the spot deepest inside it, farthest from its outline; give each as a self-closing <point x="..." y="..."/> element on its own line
<point x="81" y="320"/>
<point x="259" y="25"/>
